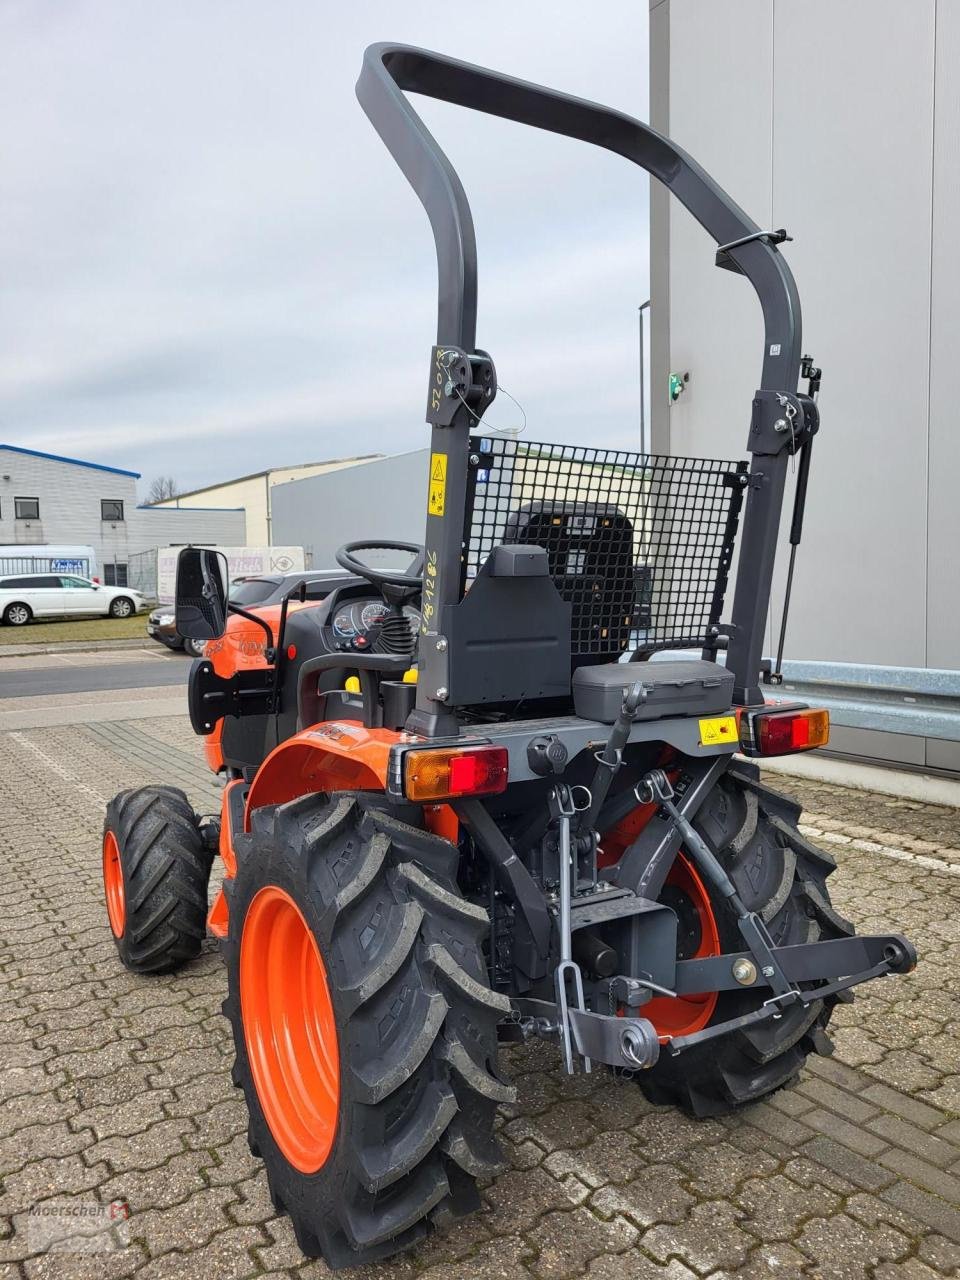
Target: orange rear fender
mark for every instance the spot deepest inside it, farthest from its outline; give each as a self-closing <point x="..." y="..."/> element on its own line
<point x="340" y="755"/>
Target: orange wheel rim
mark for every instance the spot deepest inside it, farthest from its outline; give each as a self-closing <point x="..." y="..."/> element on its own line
<point x="289" y="1029"/>
<point x="113" y="884"/>
<point x="686" y="1014"/>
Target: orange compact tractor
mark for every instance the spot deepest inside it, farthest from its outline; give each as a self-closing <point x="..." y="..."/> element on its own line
<point x="502" y="786"/>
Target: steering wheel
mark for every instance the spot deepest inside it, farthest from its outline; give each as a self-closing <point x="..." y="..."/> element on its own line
<point x="411" y="581"/>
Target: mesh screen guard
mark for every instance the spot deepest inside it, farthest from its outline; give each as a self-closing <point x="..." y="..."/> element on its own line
<point x="639" y="545"/>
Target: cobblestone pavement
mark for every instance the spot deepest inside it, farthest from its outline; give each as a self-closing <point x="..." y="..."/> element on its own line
<point x="113" y="1086"/>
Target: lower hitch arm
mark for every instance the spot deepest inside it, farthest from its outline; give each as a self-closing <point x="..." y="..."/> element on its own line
<point x="782" y="969"/>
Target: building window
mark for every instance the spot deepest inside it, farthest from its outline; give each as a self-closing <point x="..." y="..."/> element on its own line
<point x="26" y="508"/>
<point x="111" y="509"/>
<point x="115" y="575"/>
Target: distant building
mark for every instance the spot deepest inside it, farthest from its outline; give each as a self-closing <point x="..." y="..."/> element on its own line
<point x="376" y="498"/>
<point x="254" y="494"/>
<point x="47" y="499"/>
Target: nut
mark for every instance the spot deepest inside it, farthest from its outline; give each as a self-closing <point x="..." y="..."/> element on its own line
<point x="744" y="971"/>
<point x="442" y="693"/>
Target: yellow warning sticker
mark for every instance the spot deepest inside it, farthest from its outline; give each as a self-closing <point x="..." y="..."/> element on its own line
<point x="438" y="484"/>
<point x="718" y="730"/>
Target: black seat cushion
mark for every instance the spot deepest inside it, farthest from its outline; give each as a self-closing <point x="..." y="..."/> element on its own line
<point x="686" y="687"/>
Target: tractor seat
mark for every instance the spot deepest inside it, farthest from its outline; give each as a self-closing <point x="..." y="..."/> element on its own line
<point x="687" y="687"/>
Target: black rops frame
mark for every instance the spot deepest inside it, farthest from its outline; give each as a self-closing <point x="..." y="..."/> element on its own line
<point x="462" y="382"/>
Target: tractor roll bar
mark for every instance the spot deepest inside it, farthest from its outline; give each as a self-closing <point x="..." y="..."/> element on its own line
<point x="390" y="71"/>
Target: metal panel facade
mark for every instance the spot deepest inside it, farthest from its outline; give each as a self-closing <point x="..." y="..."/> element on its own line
<point x="842" y="123"/>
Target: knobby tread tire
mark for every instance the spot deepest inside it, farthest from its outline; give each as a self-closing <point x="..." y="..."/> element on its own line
<point x="780" y="875"/>
<point x="416" y="1022"/>
<point x="166" y="867"/>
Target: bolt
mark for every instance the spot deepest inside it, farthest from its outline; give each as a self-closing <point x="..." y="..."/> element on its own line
<point x="448" y="387"/>
<point x="781" y="424"/>
<point x="442" y="645"/>
<point x="768" y="970"/>
<point x="474" y="460"/>
<point x="744" y="971"/>
<point x="442" y="693"/>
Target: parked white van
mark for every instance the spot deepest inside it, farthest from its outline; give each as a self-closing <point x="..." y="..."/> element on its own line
<point x="24" y="596"/>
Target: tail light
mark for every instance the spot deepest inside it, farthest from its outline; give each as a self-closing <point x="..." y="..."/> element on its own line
<point x="774" y="732"/>
<point x="446" y="774"/>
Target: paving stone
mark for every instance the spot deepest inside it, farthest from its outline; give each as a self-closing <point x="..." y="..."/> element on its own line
<point x="566" y="1242"/>
<point x="862" y="1173"/>
<point x="775" y="1207"/>
<point x="840" y="1101"/>
<point x="924" y="1175"/>
<point x="634" y="1265"/>
<point x="850" y="1135"/>
<point x="656" y="1194"/>
<point x="941" y="1254"/>
<point x="842" y="1247"/>
<point x="717" y="1171"/>
<point x="910" y="1109"/>
<point x="709" y="1238"/>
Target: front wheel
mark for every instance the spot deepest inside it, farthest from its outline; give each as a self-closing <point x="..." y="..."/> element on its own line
<point x="122" y="607"/>
<point x="156" y="865"/>
<point x="782" y="877"/>
<point x="17" y="615"/>
<point x="195" y="648"/>
<point x="363" y="1023"/>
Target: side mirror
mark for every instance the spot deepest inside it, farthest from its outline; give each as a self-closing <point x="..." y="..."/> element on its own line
<point x="203" y="580"/>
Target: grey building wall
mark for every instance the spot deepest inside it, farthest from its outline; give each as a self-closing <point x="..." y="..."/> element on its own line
<point x="841" y="122"/>
<point x="386" y="498"/>
<point x="69" y="493"/>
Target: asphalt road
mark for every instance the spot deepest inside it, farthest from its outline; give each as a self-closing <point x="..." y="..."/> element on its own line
<point x="94" y="676"/>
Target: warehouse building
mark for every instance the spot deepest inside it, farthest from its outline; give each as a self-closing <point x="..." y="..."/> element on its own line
<point x="375" y="498"/>
<point x="47" y="499"/>
<point x="866" y="181"/>
<point x="254" y="493"/>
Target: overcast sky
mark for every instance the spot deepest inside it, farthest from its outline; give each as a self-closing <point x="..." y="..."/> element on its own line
<point x="209" y="263"/>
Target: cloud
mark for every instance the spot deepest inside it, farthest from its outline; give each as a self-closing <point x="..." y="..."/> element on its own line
<point x="209" y="263"/>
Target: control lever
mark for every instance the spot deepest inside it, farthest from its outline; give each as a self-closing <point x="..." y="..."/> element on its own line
<point x="654" y="788"/>
<point x="562" y="810"/>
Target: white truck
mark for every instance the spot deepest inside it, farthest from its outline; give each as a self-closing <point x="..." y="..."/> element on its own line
<point x="154" y="573"/>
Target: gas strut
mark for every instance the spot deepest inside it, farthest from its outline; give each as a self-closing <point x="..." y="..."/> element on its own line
<point x="809" y="371"/>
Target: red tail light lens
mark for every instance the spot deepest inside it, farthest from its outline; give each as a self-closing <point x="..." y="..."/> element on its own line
<point x="780" y="733"/>
<point x="444" y="775"/>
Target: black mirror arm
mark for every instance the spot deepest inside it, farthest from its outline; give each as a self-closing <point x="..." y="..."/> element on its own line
<point x="252" y="617"/>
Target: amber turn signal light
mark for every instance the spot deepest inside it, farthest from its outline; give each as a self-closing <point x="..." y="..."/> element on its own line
<point x="445" y="775"/>
<point x="780" y="733"/>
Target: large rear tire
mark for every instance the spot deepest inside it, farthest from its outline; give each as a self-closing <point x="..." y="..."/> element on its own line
<point x="780" y="875"/>
<point x="364" y="1026"/>
<point x="156" y="866"/>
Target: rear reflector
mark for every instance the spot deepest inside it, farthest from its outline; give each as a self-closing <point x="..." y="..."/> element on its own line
<point x="780" y="733"/>
<point x="444" y="775"/>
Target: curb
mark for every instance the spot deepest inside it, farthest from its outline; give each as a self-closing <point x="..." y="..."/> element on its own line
<point x="72" y="646"/>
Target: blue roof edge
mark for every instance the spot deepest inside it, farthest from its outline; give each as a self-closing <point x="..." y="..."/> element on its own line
<point x="76" y="462"/>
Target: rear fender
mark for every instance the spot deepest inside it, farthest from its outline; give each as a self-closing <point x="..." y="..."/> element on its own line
<point x="341" y="755"/>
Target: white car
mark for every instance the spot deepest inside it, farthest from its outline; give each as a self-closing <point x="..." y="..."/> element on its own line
<point x="24" y="596"/>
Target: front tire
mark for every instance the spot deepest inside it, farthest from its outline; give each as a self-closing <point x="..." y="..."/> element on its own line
<point x="195" y="648"/>
<point x="369" y="1071"/>
<point x="156" y="866"/>
<point x="122" y="607"/>
<point x="17" y="614"/>
<point x="782" y="877"/>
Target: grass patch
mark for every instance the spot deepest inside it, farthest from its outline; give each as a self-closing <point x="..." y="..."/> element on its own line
<point x="55" y="632"/>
